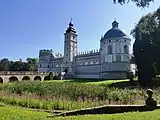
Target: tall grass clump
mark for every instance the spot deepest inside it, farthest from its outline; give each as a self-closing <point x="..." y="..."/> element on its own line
<point x="69" y="95"/>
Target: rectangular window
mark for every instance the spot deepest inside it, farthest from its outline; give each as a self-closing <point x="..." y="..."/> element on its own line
<point x="118" y="58"/>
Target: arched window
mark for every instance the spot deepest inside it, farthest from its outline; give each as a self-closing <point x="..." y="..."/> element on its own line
<point x="97" y="62"/>
<point x="118" y="48"/>
<point x="109" y="49"/>
<point x="126" y="51"/>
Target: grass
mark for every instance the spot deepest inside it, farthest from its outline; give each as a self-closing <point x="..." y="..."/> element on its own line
<point x="89" y="81"/>
<point x="12" y="113"/>
<point x="67" y="95"/>
<point x="7" y="113"/>
<point x="70" y="95"/>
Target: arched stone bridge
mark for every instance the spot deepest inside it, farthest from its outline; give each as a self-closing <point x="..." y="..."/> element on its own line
<point x="12" y="76"/>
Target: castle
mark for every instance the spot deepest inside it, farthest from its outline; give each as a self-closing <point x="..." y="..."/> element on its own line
<point x="111" y="61"/>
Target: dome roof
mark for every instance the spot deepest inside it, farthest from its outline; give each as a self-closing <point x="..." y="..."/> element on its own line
<point x="115" y="32"/>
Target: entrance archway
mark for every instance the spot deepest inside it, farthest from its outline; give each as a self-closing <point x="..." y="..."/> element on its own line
<point x="37" y="78"/>
<point x="1" y="80"/>
<point x="13" y="79"/>
<point x="26" y="78"/>
<point x="65" y="71"/>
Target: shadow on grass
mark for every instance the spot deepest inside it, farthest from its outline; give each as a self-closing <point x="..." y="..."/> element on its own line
<point x="112" y="109"/>
<point x="134" y="84"/>
<point x="125" y="84"/>
<point x="95" y="81"/>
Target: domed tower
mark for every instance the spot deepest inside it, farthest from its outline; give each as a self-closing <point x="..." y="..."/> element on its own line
<point x="115" y="53"/>
<point x="70" y="48"/>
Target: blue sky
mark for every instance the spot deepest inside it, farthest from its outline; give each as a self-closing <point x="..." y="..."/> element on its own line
<point x="26" y="26"/>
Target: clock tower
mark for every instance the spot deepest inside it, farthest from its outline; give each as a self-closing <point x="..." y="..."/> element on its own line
<point x="70" y="48"/>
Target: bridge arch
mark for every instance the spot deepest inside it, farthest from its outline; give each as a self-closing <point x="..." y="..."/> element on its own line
<point x="1" y="80"/>
<point x="37" y="78"/>
<point x="13" y="79"/>
<point x="46" y="78"/>
<point x="26" y="78"/>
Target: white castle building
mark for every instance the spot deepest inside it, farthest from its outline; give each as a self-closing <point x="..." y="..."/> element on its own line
<point x="111" y="61"/>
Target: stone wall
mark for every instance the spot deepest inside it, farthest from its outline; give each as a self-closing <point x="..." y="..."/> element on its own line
<point x="13" y="76"/>
<point x="87" y="66"/>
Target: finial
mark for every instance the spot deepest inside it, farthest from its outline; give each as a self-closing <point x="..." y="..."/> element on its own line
<point x="115" y="24"/>
<point x="70" y="23"/>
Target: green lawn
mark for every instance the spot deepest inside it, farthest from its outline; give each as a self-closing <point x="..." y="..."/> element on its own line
<point x="7" y="113"/>
<point x="99" y="82"/>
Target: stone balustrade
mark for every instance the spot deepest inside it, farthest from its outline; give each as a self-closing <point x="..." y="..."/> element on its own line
<point x="22" y="73"/>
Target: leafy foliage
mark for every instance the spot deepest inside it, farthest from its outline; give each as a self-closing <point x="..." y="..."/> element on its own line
<point x="147" y="47"/>
<point x="138" y="3"/>
<point x="29" y="65"/>
<point x="50" y="76"/>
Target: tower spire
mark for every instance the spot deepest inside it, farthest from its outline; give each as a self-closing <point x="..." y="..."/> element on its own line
<point x="70" y="23"/>
<point x="70" y="28"/>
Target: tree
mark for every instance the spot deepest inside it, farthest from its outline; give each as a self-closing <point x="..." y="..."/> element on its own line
<point x="138" y="3"/>
<point x="30" y="65"/>
<point x="146" y="48"/>
<point x="4" y="64"/>
<point x="50" y="76"/>
<point x="32" y="62"/>
<point x="16" y="66"/>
